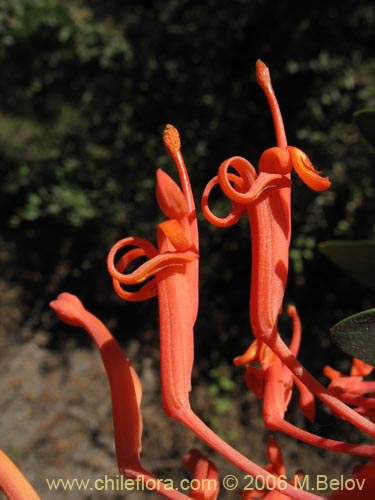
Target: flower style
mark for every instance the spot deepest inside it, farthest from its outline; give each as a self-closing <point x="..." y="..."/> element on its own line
<point x="266" y="199"/>
<point x="13" y="483"/>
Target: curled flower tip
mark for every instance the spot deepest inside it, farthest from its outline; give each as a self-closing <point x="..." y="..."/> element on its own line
<point x="171" y="139"/>
<point x="262" y="73"/>
<point x="69" y="308"/>
<point x="306" y="172"/>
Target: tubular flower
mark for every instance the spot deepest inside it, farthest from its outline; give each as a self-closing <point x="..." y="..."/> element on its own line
<point x="13" y="483"/>
<point x="171" y="273"/>
<point x="173" y="269"/>
<point x="265" y="197"/>
<point x="126" y="391"/>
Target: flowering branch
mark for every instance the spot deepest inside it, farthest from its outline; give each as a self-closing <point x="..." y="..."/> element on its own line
<point x="170" y="270"/>
<point x="266" y="199"/>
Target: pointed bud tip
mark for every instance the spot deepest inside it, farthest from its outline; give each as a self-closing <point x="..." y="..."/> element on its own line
<point x="171" y="139"/>
<point x="262" y="73"/>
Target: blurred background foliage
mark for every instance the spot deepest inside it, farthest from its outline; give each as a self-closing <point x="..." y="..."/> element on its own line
<point x="86" y="89"/>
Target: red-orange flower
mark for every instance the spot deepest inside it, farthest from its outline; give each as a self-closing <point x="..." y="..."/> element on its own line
<point x="126" y="391"/>
<point x="172" y="274"/>
<point x="265" y="196"/>
<point x="173" y="271"/>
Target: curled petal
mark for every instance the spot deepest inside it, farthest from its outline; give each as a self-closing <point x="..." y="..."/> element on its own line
<point x="170" y="197"/>
<point x="148" y="249"/>
<point x="148" y="289"/>
<point x="252" y="186"/>
<point x="157" y="262"/>
<point x="246" y="174"/>
<point x="305" y="170"/>
<point x="234" y="215"/>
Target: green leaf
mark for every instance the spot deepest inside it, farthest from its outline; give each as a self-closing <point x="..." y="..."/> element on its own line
<point x="356" y="258"/>
<point x="365" y="119"/>
<point x="355" y="335"/>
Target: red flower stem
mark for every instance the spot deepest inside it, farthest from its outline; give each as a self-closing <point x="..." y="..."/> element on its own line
<point x="353" y="400"/>
<point x="188" y="418"/>
<point x="338" y="407"/>
<point x="320" y="441"/>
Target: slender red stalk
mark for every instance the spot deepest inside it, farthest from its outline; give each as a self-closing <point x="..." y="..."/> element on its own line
<point x="193" y="422"/>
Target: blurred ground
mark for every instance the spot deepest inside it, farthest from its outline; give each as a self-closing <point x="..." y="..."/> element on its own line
<point x="56" y="416"/>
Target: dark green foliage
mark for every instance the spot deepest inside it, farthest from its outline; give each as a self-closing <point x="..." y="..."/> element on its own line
<point x="356" y="335"/>
<point x="86" y="89"/>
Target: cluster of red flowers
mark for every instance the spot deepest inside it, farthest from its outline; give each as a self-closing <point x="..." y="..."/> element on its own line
<point x="170" y="272"/>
